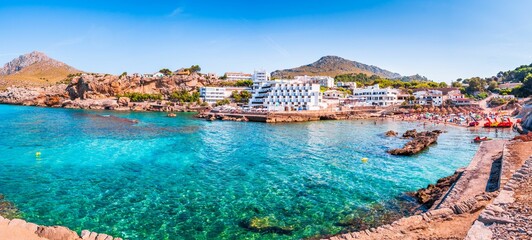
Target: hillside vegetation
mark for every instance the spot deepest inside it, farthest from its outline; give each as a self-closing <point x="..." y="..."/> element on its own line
<point x="364" y="80"/>
<point x="477" y="85"/>
<point x="333" y="66"/>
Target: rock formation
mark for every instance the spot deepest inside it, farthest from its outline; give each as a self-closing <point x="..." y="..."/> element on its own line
<point x="96" y="86"/>
<point x="99" y="91"/>
<point x="429" y="195"/>
<point x="25" y="230"/>
<point x="391" y="133"/>
<point x="419" y="142"/>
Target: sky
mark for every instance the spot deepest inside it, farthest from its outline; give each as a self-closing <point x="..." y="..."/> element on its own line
<point x="441" y="39"/>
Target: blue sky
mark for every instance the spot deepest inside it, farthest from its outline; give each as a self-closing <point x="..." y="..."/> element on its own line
<point x="441" y="39"/>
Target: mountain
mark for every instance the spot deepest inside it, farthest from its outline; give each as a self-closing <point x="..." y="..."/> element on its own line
<point x="332" y="66"/>
<point x="34" y="69"/>
<point x="416" y="77"/>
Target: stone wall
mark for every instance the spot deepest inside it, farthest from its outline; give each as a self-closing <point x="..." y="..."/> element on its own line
<point x="509" y="216"/>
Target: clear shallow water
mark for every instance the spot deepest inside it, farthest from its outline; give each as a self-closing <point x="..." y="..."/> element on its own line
<point x="183" y="178"/>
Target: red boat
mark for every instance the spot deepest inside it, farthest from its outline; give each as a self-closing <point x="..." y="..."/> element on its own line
<point x="479" y="139"/>
<point x="506" y="123"/>
<point x="473" y="124"/>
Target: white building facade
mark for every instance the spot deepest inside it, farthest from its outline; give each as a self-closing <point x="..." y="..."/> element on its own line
<point x="235" y="76"/>
<point x="212" y="94"/>
<point x="428" y="97"/>
<point x="286" y="95"/>
<point x="323" y="81"/>
<point x="261" y="76"/>
<point x="376" y="96"/>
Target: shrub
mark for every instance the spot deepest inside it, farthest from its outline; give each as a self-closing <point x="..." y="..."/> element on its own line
<point x="140" y="97"/>
<point x="184" y="96"/>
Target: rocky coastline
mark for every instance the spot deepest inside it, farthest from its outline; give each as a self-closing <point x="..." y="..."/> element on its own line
<point x="102" y="92"/>
<point x="19" y="229"/>
<point x="453" y="209"/>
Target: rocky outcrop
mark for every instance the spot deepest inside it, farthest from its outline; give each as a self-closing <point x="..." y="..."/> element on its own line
<point x="421" y="141"/>
<point x="45" y="96"/>
<point x="526" y="114"/>
<point x="409" y="227"/>
<point x="20" y="229"/>
<point x="410" y="133"/>
<point x="95" y="86"/>
<point x="429" y="195"/>
<point x="97" y="91"/>
<point x="391" y="133"/>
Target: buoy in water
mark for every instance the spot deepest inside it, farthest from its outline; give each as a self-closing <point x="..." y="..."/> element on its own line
<point x="364" y="160"/>
<point x="37" y="154"/>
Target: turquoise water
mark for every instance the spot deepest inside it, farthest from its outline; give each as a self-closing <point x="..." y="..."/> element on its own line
<point x="185" y="178"/>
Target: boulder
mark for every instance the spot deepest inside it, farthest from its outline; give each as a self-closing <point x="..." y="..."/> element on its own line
<point x="421" y="141"/>
<point x="123" y="101"/>
<point x="57" y="233"/>
<point x="391" y="133"/>
<point x="410" y="133"/>
<point x="429" y="195"/>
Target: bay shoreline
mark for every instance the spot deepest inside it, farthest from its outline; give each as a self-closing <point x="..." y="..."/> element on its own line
<point x="383" y="120"/>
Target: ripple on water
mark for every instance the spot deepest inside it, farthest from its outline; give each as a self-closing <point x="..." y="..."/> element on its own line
<point x="183" y="178"/>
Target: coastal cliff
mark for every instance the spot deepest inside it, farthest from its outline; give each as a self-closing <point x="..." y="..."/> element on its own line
<point x="101" y="91"/>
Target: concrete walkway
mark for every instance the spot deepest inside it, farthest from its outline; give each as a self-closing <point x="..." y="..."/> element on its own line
<point x="475" y="178"/>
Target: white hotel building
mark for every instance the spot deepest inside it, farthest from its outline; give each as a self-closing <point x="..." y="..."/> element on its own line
<point x="376" y="96"/>
<point x="212" y="94"/>
<point x="285" y="95"/>
<point x="323" y="81"/>
<point x="428" y="97"/>
<point x="235" y="76"/>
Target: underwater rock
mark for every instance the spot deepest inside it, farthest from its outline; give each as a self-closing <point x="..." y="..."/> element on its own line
<point x="8" y="209"/>
<point x="265" y="225"/>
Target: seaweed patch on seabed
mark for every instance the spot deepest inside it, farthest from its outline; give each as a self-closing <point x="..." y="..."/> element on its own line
<point x="117" y="127"/>
<point x="8" y="209"/>
<point x="377" y="214"/>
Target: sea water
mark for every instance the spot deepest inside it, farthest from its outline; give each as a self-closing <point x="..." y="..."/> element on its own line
<point x="187" y="178"/>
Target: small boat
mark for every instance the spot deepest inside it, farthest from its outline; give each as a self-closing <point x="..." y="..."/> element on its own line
<point x="171" y="115"/>
<point x="479" y="139"/>
<point x="473" y="124"/>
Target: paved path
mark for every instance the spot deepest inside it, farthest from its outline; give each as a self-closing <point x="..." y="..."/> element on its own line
<point x="475" y="178"/>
